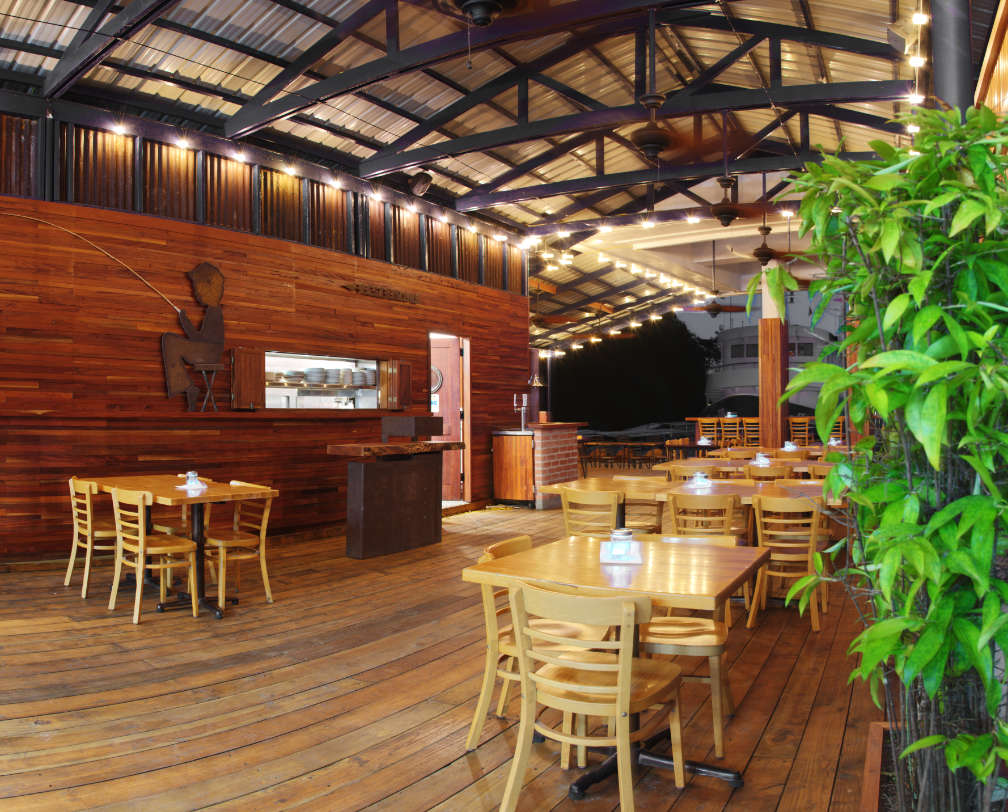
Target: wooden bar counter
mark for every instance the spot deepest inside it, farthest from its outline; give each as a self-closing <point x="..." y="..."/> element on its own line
<point x="393" y="494"/>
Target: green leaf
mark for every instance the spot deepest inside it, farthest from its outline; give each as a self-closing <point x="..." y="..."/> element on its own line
<point x="907" y="360"/>
<point x="921" y="744"/>
<point x="924" y="321"/>
<point x="925" y="416"/>
<point x="941" y="370"/>
<point x="969" y="210"/>
<point x="889" y="238"/>
<point x="939" y="201"/>
<point x="897" y="307"/>
<point x="918" y="286"/>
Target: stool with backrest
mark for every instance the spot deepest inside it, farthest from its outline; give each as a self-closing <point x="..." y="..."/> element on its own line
<point x="602" y="678"/>
<point x="800" y="430"/>
<point x="500" y="640"/>
<point x="751" y="431"/>
<point x="87" y="530"/>
<point x="789" y="528"/>
<point x="589" y="513"/>
<point x="731" y="431"/>
<point x="244" y="540"/>
<point x="708" y="427"/>
<point x="140" y="550"/>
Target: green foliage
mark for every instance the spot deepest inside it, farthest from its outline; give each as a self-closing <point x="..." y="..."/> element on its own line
<point x="917" y="245"/>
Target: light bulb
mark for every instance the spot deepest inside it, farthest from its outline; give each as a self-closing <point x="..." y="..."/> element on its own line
<point x="605" y="229"/>
<point x="915" y="98"/>
<point x="119" y="129"/>
<point x="917" y="61"/>
<point x="289" y="169"/>
<point x="647" y="224"/>
<point x="913" y="129"/>
<point x="563" y="234"/>
<point x="920" y="18"/>
<point x="692" y="219"/>
<point x="182" y="143"/>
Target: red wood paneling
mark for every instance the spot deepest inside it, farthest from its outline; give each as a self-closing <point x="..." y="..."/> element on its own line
<point x="169" y="174"/>
<point x="279" y="205"/>
<point x="102" y="168"/>
<point x="468" y="249"/>
<point x="17" y="155"/>
<point x="439" y="247"/>
<point x="327" y="216"/>
<point x="81" y="381"/>
<point x="405" y="237"/>
<point x="228" y="193"/>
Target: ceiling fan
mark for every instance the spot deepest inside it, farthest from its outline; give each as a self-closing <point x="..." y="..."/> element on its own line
<point x="763" y="252"/>
<point x="481" y="12"/>
<point x="714" y="307"/>
<point x="728" y="209"/>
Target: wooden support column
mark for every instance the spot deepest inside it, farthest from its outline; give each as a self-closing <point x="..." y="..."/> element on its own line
<point x="773" y="377"/>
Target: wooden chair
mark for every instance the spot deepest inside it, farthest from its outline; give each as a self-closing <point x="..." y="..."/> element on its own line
<point x="500" y="639"/>
<point x="244" y="540"/>
<point x="839" y="430"/>
<point x="751" y="431"/>
<point x="708" y="427"/>
<point x="603" y="678"/>
<point x="680" y="473"/>
<point x="589" y="513"/>
<point x="87" y="530"/>
<point x="640" y="508"/>
<point x="134" y="545"/>
<point x="800" y="430"/>
<point x="709" y="515"/>
<point x="789" y="528"/>
<point x="819" y="470"/>
<point x="731" y="431"/>
<point x="795" y="454"/>
<point x="744" y="453"/>
<point x="768" y="473"/>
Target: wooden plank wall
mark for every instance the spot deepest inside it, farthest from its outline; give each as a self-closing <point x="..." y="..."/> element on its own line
<point x="81" y="381"/>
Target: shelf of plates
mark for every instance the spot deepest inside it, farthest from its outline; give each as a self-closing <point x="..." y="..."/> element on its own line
<point x="320" y="382"/>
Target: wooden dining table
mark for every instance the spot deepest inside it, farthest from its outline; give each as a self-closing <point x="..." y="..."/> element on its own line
<point x="712" y="464"/>
<point x="746" y="490"/>
<point x="684" y="574"/>
<point x="168" y="489"/>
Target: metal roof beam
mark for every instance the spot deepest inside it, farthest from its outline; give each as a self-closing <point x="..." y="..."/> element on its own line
<point x="536" y="23"/>
<point x="314" y="53"/>
<point x="680" y="104"/>
<point x="79" y="60"/>
<point x="495" y="87"/>
<point x="536" y="161"/>
<point x="850" y="117"/>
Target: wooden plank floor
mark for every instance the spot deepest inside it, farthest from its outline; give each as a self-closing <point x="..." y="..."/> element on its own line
<point x="355" y="691"/>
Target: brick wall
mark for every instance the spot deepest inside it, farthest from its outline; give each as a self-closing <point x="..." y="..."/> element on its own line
<point x="555" y="459"/>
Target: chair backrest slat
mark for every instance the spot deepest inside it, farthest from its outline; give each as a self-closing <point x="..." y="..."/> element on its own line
<point x="589" y="512"/>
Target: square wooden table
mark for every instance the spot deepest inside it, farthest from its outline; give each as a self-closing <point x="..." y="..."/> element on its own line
<point x="165" y="490"/>
<point x="685" y="574"/>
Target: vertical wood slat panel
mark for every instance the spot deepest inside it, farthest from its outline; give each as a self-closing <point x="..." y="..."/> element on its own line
<point x="18" y="142"/>
<point x="773" y="376"/>
<point x="327" y="216"/>
<point x="514" y="265"/>
<point x="376" y="223"/>
<point x="228" y="193"/>
<point x="169" y="179"/>
<point x="493" y="264"/>
<point x="279" y="205"/>
<point x="468" y="255"/>
<point x="438" y="247"/>
<point x="405" y="237"/>
<point x="103" y="168"/>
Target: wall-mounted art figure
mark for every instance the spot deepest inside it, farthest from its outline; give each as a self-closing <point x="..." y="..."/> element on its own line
<point x="203" y="345"/>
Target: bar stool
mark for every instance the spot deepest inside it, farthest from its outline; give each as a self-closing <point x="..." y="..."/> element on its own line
<point x="209" y="373"/>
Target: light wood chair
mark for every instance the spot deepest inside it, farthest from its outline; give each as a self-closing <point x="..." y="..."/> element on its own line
<point x="244" y="540"/>
<point x="731" y="431"/>
<point x="789" y="528"/>
<point x="139" y="550"/>
<point x="800" y="430"/>
<point x="709" y="427"/>
<point x="603" y="678"/>
<point x="839" y="430"/>
<point x="87" y="530"/>
<point x="641" y="510"/>
<point x="709" y="515"/>
<point x="500" y="641"/>
<point x="751" y="431"/>
<point x="680" y="473"/>
<point x="767" y="473"/>
<point x="589" y="513"/>
<point x="744" y="453"/>
<point x="819" y="470"/>
<point x="795" y="454"/>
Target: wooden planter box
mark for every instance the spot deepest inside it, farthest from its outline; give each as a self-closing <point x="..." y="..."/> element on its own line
<point x="872" y="779"/>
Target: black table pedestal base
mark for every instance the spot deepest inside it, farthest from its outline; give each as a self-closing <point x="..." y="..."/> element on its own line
<point x="183" y="602"/>
<point x="646" y="758"/>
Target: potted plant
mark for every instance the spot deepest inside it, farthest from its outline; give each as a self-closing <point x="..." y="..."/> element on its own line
<point x="916" y="244"/>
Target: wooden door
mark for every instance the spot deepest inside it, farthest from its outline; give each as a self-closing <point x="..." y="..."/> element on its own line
<point x="446" y="401"/>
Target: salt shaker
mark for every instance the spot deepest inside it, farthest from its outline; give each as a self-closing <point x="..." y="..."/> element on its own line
<point x="192" y="479"/>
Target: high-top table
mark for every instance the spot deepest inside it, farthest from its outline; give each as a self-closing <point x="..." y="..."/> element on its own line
<point x="683" y="574"/>
<point x="165" y="490"/>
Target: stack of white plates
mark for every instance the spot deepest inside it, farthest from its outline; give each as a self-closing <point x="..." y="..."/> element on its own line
<point x="332" y="375"/>
<point x="359" y="378"/>
<point x="346" y="376"/>
<point x="294" y="375"/>
<point x="315" y="375"/>
<point x="370" y="377"/>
